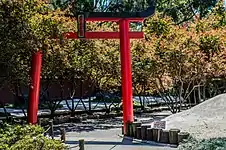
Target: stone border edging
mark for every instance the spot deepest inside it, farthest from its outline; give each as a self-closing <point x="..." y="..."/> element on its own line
<point x="153" y="143"/>
<point x="144" y="132"/>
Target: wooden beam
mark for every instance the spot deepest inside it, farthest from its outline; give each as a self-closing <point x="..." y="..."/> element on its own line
<point x="96" y="19"/>
<point x="102" y="35"/>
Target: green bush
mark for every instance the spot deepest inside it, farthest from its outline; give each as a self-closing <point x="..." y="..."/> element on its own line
<point x="28" y="137"/>
<point x="37" y="143"/>
<point x="206" y="144"/>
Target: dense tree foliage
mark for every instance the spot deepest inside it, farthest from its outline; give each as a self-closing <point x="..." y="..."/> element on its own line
<point x="172" y="60"/>
<point x="185" y="57"/>
<point x="180" y="10"/>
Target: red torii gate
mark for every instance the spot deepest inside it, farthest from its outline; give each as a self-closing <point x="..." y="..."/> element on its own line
<point x="126" y="72"/>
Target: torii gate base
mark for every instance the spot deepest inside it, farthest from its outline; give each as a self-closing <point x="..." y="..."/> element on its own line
<point x="126" y="74"/>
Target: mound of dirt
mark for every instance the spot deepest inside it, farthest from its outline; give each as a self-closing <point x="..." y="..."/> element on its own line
<point x="204" y="121"/>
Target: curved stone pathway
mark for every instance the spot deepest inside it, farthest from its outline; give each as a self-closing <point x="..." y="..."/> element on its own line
<point x="109" y="140"/>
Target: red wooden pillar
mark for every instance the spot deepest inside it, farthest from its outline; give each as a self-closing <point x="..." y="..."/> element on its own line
<point x="126" y="72"/>
<point x="34" y="87"/>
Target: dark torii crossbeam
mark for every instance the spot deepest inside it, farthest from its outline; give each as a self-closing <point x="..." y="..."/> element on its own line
<point x="124" y="35"/>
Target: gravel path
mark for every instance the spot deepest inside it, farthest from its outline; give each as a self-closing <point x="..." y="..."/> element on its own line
<point x="204" y="121"/>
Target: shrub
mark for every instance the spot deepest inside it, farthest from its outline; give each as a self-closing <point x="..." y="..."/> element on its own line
<point x="205" y="144"/>
<point x="37" y="143"/>
<point x="17" y="137"/>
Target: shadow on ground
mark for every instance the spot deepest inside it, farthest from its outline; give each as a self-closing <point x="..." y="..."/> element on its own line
<point x="124" y="141"/>
<point x="88" y="126"/>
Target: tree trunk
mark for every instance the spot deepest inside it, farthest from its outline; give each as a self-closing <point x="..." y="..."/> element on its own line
<point x="81" y="94"/>
<point x="52" y="110"/>
<point x="143" y="98"/>
<point x="140" y="99"/>
<point x="90" y="105"/>
<point x="72" y="112"/>
<point x="194" y="96"/>
<point x="141" y="102"/>
<point x="189" y="101"/>
<point x="204" y="92"/>
<point x="180" y="95"/>
<point x="199" y="94"/>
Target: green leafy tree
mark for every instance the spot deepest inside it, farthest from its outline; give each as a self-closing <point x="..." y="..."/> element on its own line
<point x="184" y="57"/>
